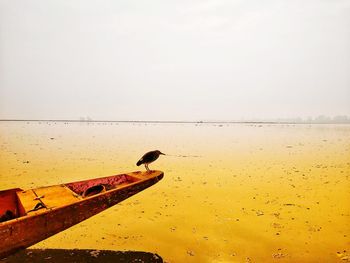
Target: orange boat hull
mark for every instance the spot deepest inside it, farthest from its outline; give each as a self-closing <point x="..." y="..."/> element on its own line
<point x="34" y="226"/>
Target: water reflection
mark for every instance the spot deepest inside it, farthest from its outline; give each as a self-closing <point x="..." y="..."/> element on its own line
<point x="258" y="191"/>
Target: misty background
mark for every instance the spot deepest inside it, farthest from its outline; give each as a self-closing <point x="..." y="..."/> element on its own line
<point x="174" y="60"/>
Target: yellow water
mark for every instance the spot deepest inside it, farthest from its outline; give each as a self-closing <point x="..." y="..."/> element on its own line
<point x="244" y="193"/>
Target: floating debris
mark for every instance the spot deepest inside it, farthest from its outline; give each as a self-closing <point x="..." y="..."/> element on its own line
<point x="343" y="255"/>
<point x="276" y="225"/>
<point x="279" y="255"/>
<point x="190" y="253"/>
<point x="259" y="213"/>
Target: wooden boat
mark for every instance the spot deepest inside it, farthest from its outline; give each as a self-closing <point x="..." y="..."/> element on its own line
<point x="36" y="214"/>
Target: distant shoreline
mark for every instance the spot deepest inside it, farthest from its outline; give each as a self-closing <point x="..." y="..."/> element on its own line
<point x="174" y="121"/>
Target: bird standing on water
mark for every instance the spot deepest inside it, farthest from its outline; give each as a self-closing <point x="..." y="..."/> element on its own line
<point x="148" y="158"/>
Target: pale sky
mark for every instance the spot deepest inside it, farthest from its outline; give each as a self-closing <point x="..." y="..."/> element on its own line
<point x="174" y="60"/>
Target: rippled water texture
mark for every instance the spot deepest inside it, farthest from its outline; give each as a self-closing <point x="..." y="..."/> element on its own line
<point x="244" y="192"/>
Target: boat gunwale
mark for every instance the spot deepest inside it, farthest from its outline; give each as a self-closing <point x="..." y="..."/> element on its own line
<point x="154" y="174"/>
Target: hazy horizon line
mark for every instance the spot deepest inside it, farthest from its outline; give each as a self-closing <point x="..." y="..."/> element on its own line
<point x="272" y="121"/>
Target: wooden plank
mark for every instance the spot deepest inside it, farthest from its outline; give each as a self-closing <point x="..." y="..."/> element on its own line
<point x="145" y="175"/>
<point x="57" y="195"/>
<point x="27" y="200"/>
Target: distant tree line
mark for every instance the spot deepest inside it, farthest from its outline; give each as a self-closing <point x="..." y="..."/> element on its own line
<point x="326" y="119"/>
<point x="85" y="118"/>
<point x="318" y="119"/>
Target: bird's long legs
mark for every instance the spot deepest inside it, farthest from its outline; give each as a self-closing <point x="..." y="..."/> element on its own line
<point x="146" y="165"/>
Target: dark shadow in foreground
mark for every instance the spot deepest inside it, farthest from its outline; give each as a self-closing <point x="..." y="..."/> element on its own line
<point x="81" y="256"/>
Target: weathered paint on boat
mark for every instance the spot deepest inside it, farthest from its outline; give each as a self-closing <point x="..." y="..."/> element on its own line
<point x="62" y="206"/>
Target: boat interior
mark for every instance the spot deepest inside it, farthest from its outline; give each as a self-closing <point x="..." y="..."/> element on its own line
<point x="15" y="203"/>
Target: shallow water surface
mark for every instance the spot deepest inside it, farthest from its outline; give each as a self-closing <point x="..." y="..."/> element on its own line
<point x="239" y="193"/>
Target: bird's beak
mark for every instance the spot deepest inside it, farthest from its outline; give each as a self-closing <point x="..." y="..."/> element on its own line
<point x="163" y="153"/>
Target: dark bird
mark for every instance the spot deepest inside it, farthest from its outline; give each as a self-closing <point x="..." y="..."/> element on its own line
<point x="148" y="158"/>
